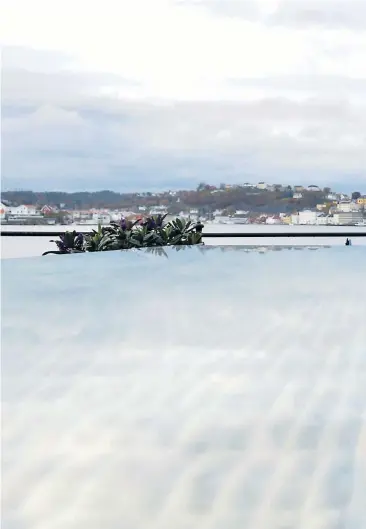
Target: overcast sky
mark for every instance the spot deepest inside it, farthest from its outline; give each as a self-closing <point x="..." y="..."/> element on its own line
<point x="153" y="94"/>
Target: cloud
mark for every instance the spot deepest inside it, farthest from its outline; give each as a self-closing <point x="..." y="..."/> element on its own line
<point x="328" y="14"/>
<point x="247" y="9"/>
<point x="35" y="76"/>
<point x="331" y="14"/>
<point x="127" y="145"/>
<point x="164" y="94"/>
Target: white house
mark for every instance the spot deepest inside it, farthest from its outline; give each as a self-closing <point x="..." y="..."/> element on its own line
<point x="23" y="211"/>
<point x="158" y="210"/>
<point x="322" y="219"/>
<point x="332" y="219"/>
<point x="262" y="185"/>
<point x="273" y="220"/>
<point x="78" y="215"/>
<point x="298" y="195"/>
<point x="307" y="217"/>
<point x="101" y="217"/>
<point x="346" y="206"/>
<point x="349" y="218"/>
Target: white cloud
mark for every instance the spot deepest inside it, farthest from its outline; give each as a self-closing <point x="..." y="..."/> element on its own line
<point x="185" y="89"/>
<point x="329" y="14"/>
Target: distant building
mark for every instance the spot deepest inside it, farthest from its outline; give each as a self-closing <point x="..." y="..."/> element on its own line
<point x="298" y="189"/>
<point x="47" y="210"/>
<point x="298" y="195"/>
<point x="223" y="219"/>
<point x="3" y="211"/>
<point x="262" y="185"/>
<point x="322" y="219"/>
<point x="307" y="217"/>
<point x="158" y="210"/>
<point x="286" y="219"/>
<point x="346" y="206"/>
<point x="362" y="201"/>
<point x="273" y="220"/>
<point x="349" y="218"/>
<point x="23" y="211"/>
<point x="332" y="219"/>
<point x="313" y="188"/>
<point x="101" y="218"/>
<point x="78" y="215"/>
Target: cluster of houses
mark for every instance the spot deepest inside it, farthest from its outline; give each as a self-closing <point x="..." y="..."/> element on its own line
<point x="28" y="214"/>
<point x="338" y="209"/>
<point x="341" y="212"/>
<point x="15" y="213"/>
<point x="263" y="186"/>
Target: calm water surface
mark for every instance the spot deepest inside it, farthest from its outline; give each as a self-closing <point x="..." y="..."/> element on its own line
<point x="34" y="246"/>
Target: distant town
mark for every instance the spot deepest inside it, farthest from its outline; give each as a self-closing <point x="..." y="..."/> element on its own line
<point x="248" y="203"/>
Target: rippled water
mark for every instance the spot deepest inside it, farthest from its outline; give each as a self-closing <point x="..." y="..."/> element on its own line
<point x="202" y="389"/>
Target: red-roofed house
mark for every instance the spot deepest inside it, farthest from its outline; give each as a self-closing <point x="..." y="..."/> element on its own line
<point x="47" y="210"/>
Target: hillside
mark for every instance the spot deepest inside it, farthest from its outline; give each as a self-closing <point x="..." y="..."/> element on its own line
<point x="206" y="199"/>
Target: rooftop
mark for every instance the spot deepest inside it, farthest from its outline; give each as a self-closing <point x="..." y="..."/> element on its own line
<point x="198" y="388"/>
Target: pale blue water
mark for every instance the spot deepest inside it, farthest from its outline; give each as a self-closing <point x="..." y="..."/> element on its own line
<point x="214" y="388"/>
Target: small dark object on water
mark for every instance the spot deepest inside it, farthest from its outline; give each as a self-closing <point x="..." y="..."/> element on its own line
<point x="348" y="242"/>
<point x="199" y="227"/>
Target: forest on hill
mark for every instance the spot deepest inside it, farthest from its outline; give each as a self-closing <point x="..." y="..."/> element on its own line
<point x="205" y="198"/>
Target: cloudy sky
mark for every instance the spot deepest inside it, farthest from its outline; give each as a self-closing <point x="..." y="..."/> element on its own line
<point x="151" y="94"/>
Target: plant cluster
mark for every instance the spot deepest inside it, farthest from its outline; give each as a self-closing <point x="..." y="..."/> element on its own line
<point x="125" y="235"/>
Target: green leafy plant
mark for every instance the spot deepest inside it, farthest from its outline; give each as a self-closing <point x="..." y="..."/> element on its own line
<point x="69" y="242"/>
<point x="125" y="235"/>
